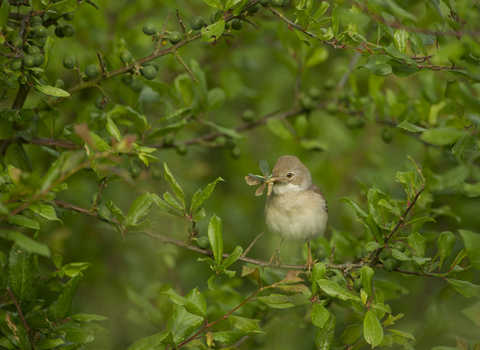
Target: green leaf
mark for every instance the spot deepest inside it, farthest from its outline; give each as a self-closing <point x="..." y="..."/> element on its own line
<point x="442" y="136"/>
<point x="371" y="246"/>
<point x="314" y="145"/>
<point x="466" y="144"/>
<point x="303" y="37"/>
<point x="66" y="297"/>
<point x="399" y="255"/>
<point x="379" y="65"/>
<point x="244" y="324"/>
<point x="215" y="237"/>
<point x="174" y="185"/>
<point x="174" y="127"/>
<point x="471" y="241"/>
<point x="172" y="201"/>
<point x="214" y="3"/>
<point x="466" y="288"/>
<point x="231" y="3"/>
<point x="182" y="322"/>
<point x="112" y="129"/>
<point x="57" y="260"/>
<point x="17" y="115"/>
<point x="233" y="336"/>
<point x="401" y="39"/>
<point x="153" y="342"/>
<point x="417" y="242"/>
<point x="226" y="131"/>
<point x="214" y="282"/>
<point x="276" y="127"/>
<point x="372" y="329"/>
<point x="25" y="242"/>
<point x="334" y="290"/>
<point x="237" y="252"/>
<point x="420" y="220"/>
<point x="213" y="31"/>
<point x="4" y="13"/>
<point x="319" y="315"/>
<point x="139" y="208"/>
<point x="321" y="10"/>
<point x="99" y="143"/>
<point x="21" y="272"/>
<point x="410" y="127"/>
<point x="324" y="336"/>
<point x="318" y="273"/>
<point x="62" y="6"/>
<point x="473" y="313"/>
<point x="468" y="189"/>
<point x="350" y="335"/>
<point x="52" y="91"/>
<point x="402" y="334"/>
<point x="45" y="211"/>
<point x="445" y="243"/>
<point x="49" y="343"/>
<point x="360" y="213"/>
<point x="21" y="220"/>
<point x="280" y="301"/>
<point x="75" y="268"/>
<point x="215" y="99"/>
<point x="198" y="307"/>
<point x="367" y="274"/>
<point x="201" y="196"/>
<point x="14" y="330"/>
<point x="319" y="55"/>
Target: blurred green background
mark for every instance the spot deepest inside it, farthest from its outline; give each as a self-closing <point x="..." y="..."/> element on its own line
<point x="258" y="70"/>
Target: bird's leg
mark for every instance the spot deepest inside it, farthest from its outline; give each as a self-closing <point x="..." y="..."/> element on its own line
<point x="275" y="259"/>
<point x="310" y="262"/>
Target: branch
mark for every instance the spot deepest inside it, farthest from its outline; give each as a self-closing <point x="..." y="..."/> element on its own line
<point x="32" y="340"/>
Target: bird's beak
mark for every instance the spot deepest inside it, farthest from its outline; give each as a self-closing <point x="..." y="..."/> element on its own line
<point x="278" y="179"/>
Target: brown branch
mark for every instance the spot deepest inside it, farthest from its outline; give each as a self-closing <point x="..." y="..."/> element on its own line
<point x="30" y="336"/>
<point x="181" y="24"/>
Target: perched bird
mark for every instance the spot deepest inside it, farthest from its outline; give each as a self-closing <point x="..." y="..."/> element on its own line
<point x="297" y="209"/>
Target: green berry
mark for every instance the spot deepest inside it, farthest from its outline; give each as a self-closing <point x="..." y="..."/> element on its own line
<point x="248" y="115"/>
<point x="68" y="62"/>
<point x="197" y="23"/>
<point x="329" y="85"/>
<point x="307" y="103"/>
<point x="103" y="213"/>
<point x="23" y="79"/>
<point x="263" y="2"/>
<point x="353" y="122"/>
<point x="28" y="61"/>
<point x="154" y="65"/>
<point x="337" y="279"/>
<point x="59" y="32"/>
<point x="39" y="59"/>
<point x="331" y="108"/>
<point x="320" y="253"/>
<point x="68" y="30"/>
<point x="387" y="135"/>
<point x="168" y="140"/>
<point x="92" y="71"/>
<point x="40" y="42"/>
<point x="175" y="37"/>
<point x="36" y="19"/>
<point x="236" y="152"/>
<point x="17" y="42"/>
<point x="15" y="65"/>
<point x="137" y="85"/>
<point x="228" y="25"/>
<point x="230" y="143"/>
<point x="93" y="198"/>
<point x="203" y="242"/>
<point x="33" y="50"/>
<point x="59" y="84"/>
<point x="101" y="102"/>
<point x="314" y="93"/>
<point x="383" y="256"/>
<point x="399" y="246"/>
<point x="237" y="24"/>
<point x="181" y="149"/>
<point x="135" y="171"/>
<point x="399" y="262"/>
<point x="40" y="31"/>
<point x="156" y="173"/>
<point x="215" y="17"/>
<point x="69" y="16"/>
<point x="285" y="3"/>
<point x="125" y="56"/>
<point x="254" y="9"/>
<point x="277" y="3"/>
<point x="127" y="79"/>
<point x="149" y="29"/>
<point x="220" y="141"/>
<point x="36" y="24"/>
<point x="390" y="265"/>
<point x="149" y="72"/>
<point x="358" y="284"/>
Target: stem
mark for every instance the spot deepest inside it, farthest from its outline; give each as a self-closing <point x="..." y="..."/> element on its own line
<point x="30" y="336"/>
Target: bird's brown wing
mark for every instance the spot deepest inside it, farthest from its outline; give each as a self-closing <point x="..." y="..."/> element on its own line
<point x="317" y="189"/>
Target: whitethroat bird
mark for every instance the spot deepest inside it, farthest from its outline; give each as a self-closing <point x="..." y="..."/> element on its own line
<point x="296" y="210"/>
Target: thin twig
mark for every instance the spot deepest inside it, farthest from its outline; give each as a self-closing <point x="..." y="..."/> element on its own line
<point x="181" y="24"/>
<point x="162" y="33"/>
<point x="179" y="58"/>
<point x="30" y="336"/>
<point x="253" y="243"/>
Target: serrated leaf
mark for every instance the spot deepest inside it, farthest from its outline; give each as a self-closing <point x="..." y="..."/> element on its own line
<point x="468" y="189"/>
<point x="445" y="243"/>
<point x="410" y="127"/>
<point x="174" y="185"/>
<point x="367" y="274"/>
<point x="139" y="208"/>
<point x="466" y="288"/>
<point x="21" y="272"/>
<point x="214" y="3"/>
<point x="213" y="31"/>
<point x="350" y="335"/>
<point x="215" y="98"/>
<point x="201" y="196"/>
<point x="25" y="242"/>
<point x="52" y="91"/>
<point x="280" y="301"/>
<point x="417" y="242"/>
<point x="324" y="336"/>
<point x="244" y="324"/>
<point x="442" y="136"/>
<point x="319" y="315"/>
<point x="112" y="129"/>
<point x="372" y="329"/>
<point x="4" y="13"/>
<point x="237" y="252"/>
<point x="379" y="65"/>
<point x="216" y="238"/>
<point x="401" y="38"/>
<point x="334" y="290"/>
<point x="214" y="282"/>
<point x="197" y="306"/>
<point x="182" y="323"/>
<point x="359" y="211"/>
<point x="66" y="297"/>
<point x="318" y="273"/>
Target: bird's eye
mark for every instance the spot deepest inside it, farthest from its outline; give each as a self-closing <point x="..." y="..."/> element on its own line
<point x="289" y="175"/>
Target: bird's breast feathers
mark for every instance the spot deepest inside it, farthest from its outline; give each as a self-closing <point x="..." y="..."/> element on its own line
<point x="296" y="216"/>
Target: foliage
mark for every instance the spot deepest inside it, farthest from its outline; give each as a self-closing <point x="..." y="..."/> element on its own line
<point x="379" y="99"/>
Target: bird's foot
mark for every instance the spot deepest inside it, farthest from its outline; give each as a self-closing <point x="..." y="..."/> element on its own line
<point x="309" y="264"/>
